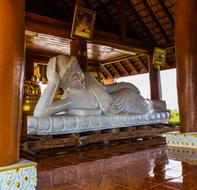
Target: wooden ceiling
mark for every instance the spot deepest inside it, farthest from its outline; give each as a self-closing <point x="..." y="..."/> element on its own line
<point x="148" y="21"/>
<point x="53" y="45"/>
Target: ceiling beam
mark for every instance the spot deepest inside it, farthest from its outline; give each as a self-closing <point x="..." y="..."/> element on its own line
<point x="41" y="52"/>
<point x="46" y="25"/>
<point x="161" y="2"/>
<point x="38" y="58"/>
<point x="156" y="21"/>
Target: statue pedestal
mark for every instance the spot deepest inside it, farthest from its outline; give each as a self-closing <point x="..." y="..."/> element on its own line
<point x="65" y="124"/>
<point x="182" y="140"/>
<point x="21" y="176"/>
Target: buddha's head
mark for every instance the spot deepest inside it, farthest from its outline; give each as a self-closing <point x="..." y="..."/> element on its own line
<point x="33" y="79"/>
<point x="71" y="75"/>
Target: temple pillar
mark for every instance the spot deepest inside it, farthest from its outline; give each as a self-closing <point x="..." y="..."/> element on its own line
<point x="78" y="48"/>
<point x="11" y="77"/>
<point x="155" y="81"/>
<point x="186" y="59"/>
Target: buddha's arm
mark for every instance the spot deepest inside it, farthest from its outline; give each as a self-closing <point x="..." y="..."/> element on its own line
<point x="46" y="99"/>
<point x="46" y="106"/>
<point x="57" y="106"/>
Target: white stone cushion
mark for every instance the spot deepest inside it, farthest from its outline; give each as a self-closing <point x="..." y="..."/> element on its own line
<point x="65" y="124"/>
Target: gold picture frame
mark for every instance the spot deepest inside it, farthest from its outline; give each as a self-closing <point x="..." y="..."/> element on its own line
<point x="159" y="57"/>
<point x="83" y="23"/>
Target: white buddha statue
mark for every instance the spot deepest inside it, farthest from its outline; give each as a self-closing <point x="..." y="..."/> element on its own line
<point x="84" y="95"/>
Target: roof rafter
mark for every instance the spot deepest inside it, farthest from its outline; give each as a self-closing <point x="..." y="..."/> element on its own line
<point x="117" y="69"/>
<point x="101" y="7"/>
<point x="138" y="17"/>
<point x="135" y="68"/>
<point x="166" y="11"/>
<point x="125" y="68"/>
<point x="117" y="60"/>
<point x="104" y="5"/>
<point x="123" y="30"/>
<point x="104" y="75"/>
<point x="89" y="5"/>
<point x="98" y="69"/>
<point x="143" y="63"/>
<point x="156" y="21"/>
<point x="108" y="71"/>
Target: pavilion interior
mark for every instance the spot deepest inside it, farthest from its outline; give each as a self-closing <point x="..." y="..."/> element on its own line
<point x="124" y="37"/>
<point x="115" y="50"/>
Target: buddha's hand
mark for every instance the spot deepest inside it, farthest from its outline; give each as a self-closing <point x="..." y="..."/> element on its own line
<point x="52" y="74"/>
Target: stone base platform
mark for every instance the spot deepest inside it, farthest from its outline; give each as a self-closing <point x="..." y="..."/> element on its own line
<point x="67" y="124"/>
<point x="183" y="140"/>
<point x="19" y="176"/>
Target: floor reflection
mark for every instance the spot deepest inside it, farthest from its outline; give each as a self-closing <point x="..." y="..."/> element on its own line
<point x="117" y="168"/>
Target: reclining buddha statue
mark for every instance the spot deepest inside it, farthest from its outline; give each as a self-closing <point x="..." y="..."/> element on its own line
<point x="85" y="97"/>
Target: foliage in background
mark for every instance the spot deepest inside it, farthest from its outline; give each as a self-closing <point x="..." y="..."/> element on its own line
<point x="174" y="117"/>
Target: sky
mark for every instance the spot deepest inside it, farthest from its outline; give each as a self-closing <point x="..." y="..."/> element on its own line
<point x="168" y="83"/>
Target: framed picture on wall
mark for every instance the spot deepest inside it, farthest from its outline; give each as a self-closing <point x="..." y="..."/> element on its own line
<point x="159" y="57"/>
<point x="83" y="23"/>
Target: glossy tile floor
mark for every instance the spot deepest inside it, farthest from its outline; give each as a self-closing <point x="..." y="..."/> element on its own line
<point x="118" y="167"/>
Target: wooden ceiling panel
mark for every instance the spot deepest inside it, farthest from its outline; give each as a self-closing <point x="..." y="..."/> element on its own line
<point x="38" y="42"/>
<point x="44" y="42"/>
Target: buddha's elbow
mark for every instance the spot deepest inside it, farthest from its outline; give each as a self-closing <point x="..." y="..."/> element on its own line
<point x="38" y="113"/>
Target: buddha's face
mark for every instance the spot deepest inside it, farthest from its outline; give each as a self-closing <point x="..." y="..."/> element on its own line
<point x="71" y="77"/>
<point x="77" y="80"/>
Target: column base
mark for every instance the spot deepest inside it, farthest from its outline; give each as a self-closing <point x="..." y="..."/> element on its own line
<point x="182" y="140"/>
<point x="19" y="176"/>
<point x="182" y="154"/>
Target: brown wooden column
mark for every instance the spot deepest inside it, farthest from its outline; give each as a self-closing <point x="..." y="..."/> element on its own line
<point x="186" y="59"/>
<point x="78" y="48"/>
<point x="11" y="76"/>
<point x="155" y="81"/>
